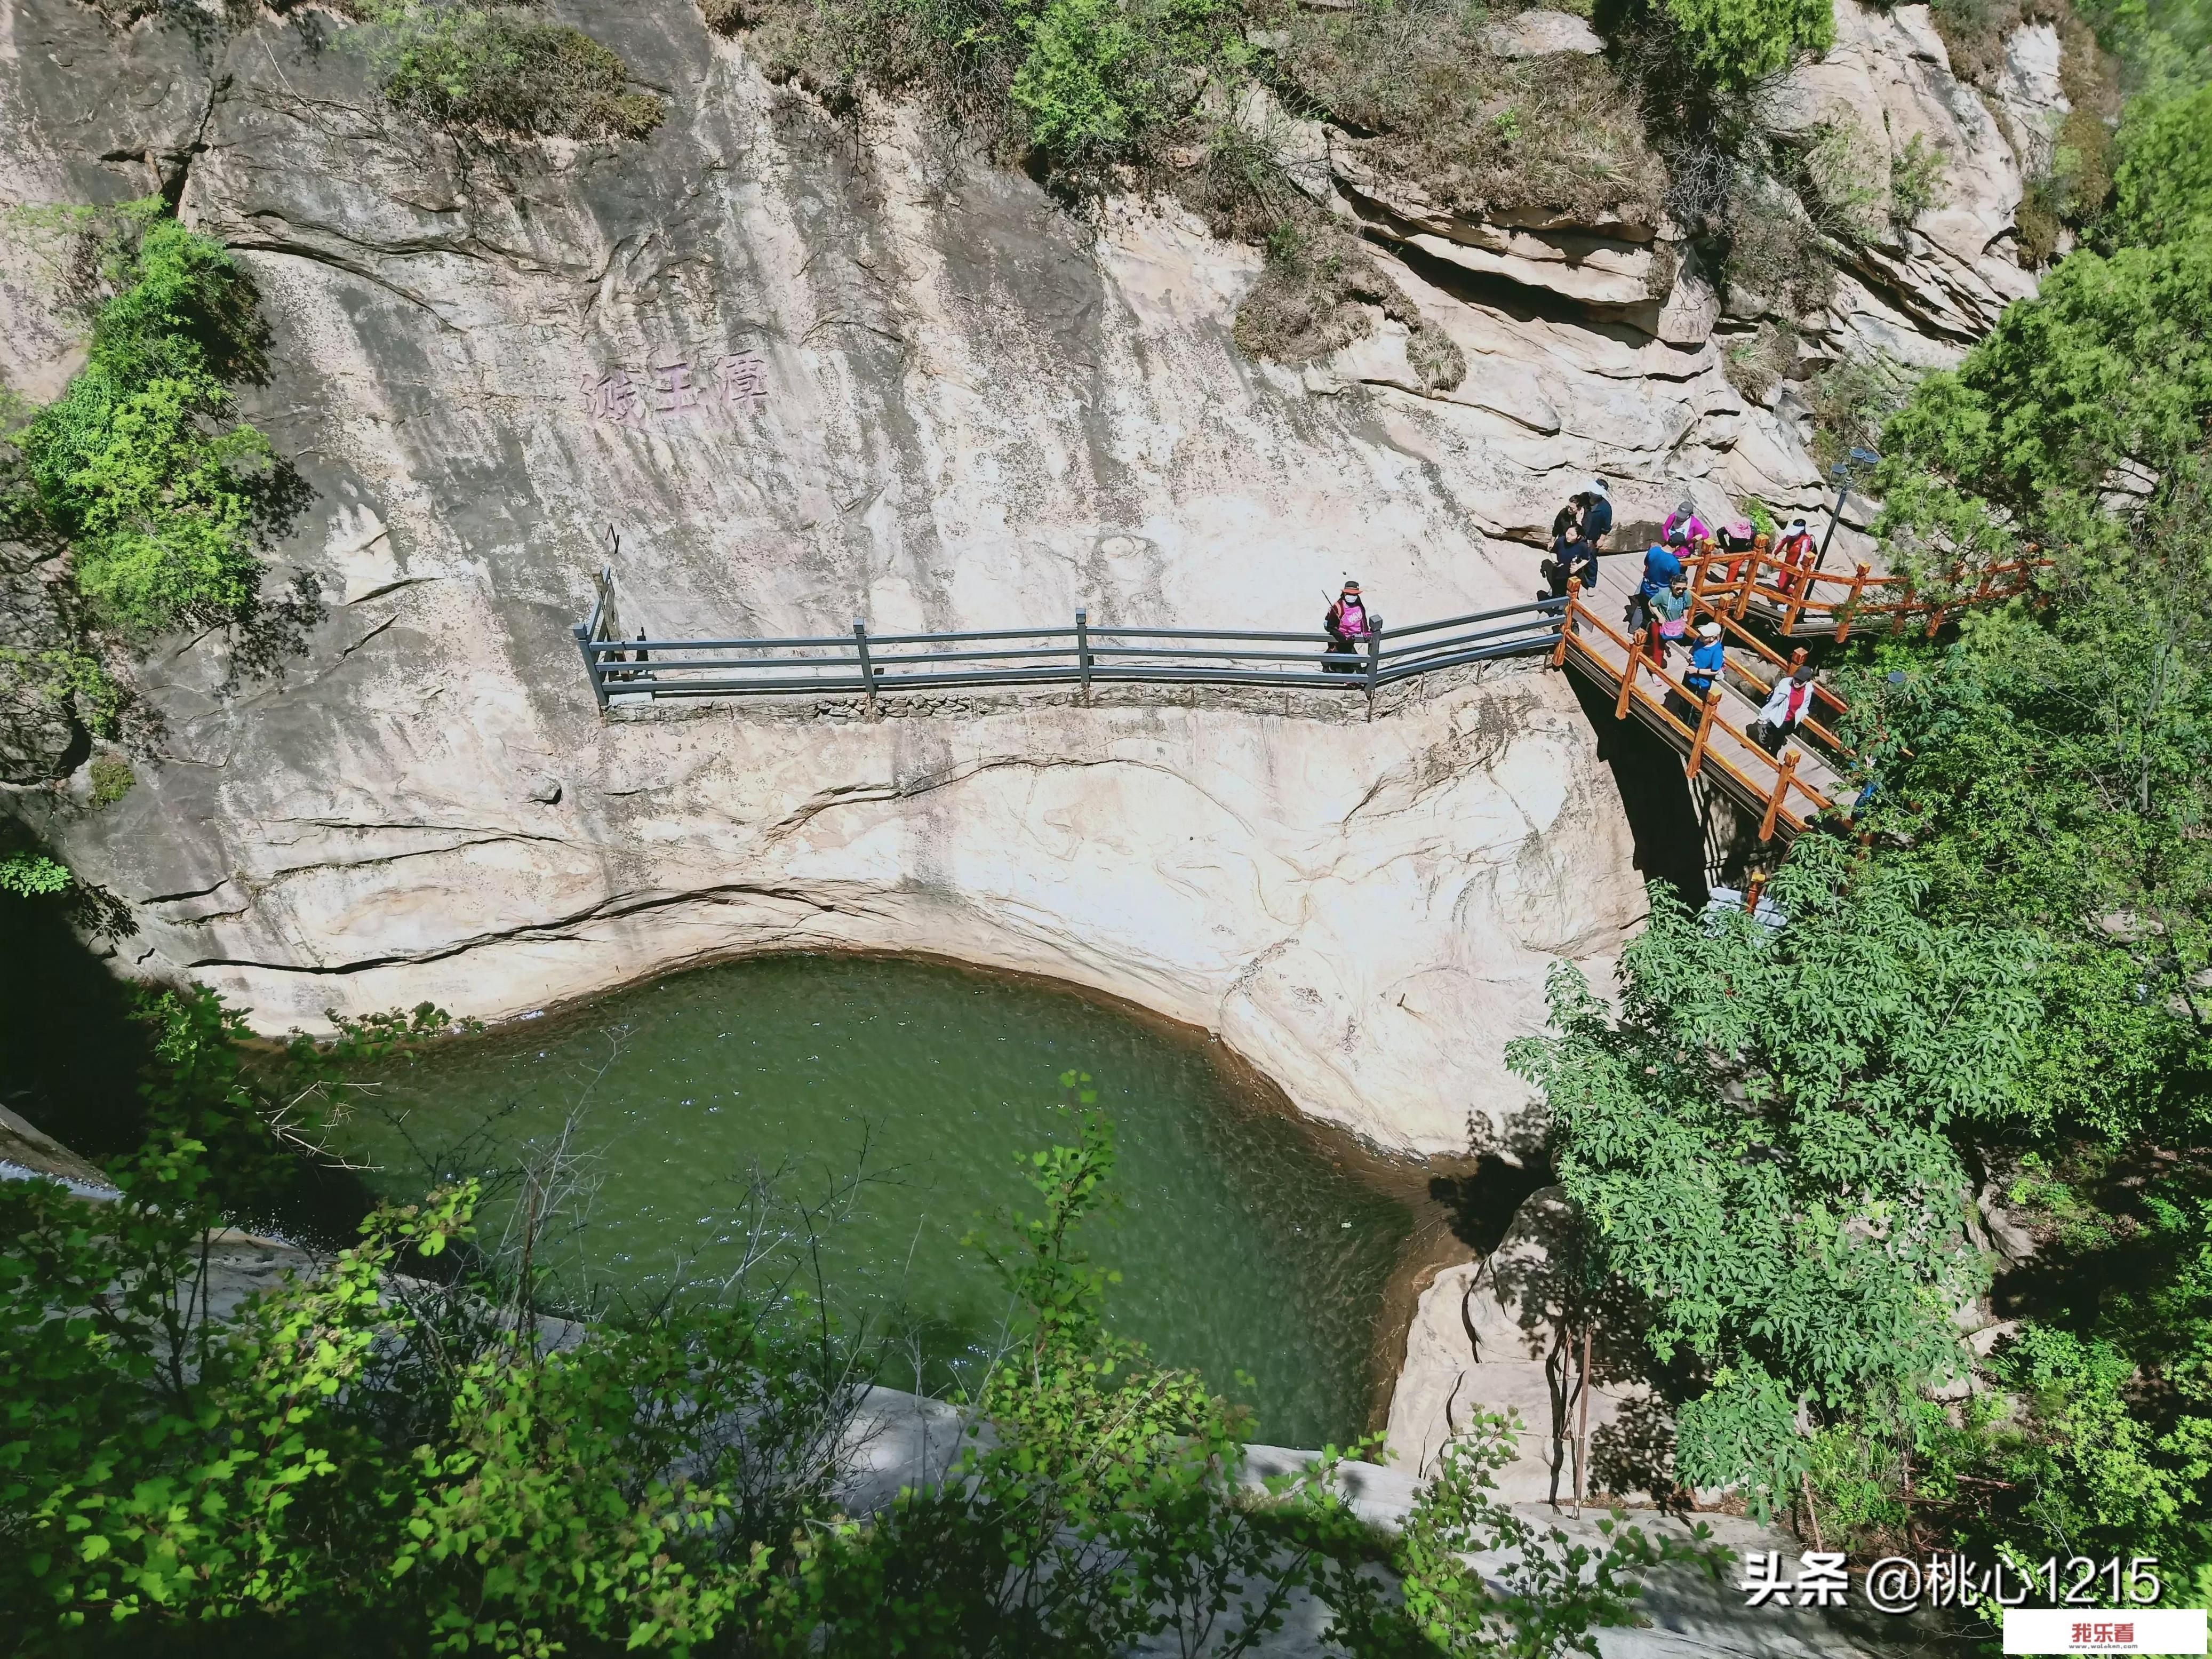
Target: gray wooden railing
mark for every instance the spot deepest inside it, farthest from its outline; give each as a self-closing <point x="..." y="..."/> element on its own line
<point x="881" y="665"/>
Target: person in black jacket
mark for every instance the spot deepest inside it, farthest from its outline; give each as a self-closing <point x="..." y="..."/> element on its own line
<point x="1571" y="557"/>
<point x="1596" y="520"/>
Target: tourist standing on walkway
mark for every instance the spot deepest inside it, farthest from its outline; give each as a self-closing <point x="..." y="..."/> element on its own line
<point x="1596" y="505"/>
<point x="1663" y="564"/>
<point x="1571" y="557"/>
<point x="1787" y="706"/>
<point x="1346" y="624"/>
<point x="1797" y="554"/>
<point x="1670" y="614"/>
<point x="1708" y="661"/>
<point x="1684" y="518"/>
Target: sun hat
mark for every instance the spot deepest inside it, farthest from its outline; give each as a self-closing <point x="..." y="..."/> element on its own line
<point x="1708" y="629"/>
<point x="1351" y="587"/>
<point x="1598" y="486"/>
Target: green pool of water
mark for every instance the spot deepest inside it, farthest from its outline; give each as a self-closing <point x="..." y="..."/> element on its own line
<point x="1243" y="1244"/>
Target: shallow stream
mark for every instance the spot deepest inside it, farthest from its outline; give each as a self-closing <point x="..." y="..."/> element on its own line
<point x="1249" y="1239"/>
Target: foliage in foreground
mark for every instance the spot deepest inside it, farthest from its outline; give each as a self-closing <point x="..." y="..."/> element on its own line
<point x="388" y="1453"/>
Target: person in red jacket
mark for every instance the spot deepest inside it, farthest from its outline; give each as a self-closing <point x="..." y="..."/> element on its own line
<point x="1797" y="554"/>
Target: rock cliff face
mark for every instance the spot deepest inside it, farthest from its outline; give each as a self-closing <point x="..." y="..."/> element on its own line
<point x="1503" y="1335"/>
<point x="812" y="372"/>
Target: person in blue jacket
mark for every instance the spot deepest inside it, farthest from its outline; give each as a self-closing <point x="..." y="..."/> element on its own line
<point x="1708" y="660"/>
<point x="1663" y="564"/>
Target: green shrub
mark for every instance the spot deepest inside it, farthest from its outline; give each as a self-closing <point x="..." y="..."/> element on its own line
<point x="111" y="777"/>
<point x="1079" y="86"/>
<point x="1837" y="184"/>
<point x="66" y="674"/>
<point x="1916" y="182"/>
<point x="1774" y="255"/>
<point x="1759" y="361"/>
<point x="142" y="463"/>
<point x="1087" y="86"/>
<point x="1851" y="400"/>
<point x="2040" y="220"/>
<point x="458" y="63"/>
<point x="29" y="875"/>
<point x="1736" y="42"/>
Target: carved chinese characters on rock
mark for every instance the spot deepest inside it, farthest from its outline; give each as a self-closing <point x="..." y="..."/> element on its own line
<point x="731" y="385"/>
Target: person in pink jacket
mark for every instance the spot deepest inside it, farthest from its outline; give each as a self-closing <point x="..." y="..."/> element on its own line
<point x="1346" y="625"/>
<point x="1684" y="518"/>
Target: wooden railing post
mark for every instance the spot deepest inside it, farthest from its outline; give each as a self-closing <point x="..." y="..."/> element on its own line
<point x="1904" y="606"/>
<point x="1628" y="675"/>
<point x="1782" y="779"/>
<point x="1750" y="582"/>
<point x="591" y="666"/>
<point x="1797" y="662"/>
<point x="1951" y="581"/>
<point x="1851" y="603"/>
<point x="1374" y="659"/>
<point x="1705" y="727"/>
<point x="867" y="666"/>
<point x="1567" y="620"/>
<point x="1083" y="651"/>
<point x="1753" y="890"/>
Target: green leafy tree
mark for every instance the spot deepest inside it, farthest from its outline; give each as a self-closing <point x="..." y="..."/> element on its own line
<point x="378" y="1455"/>
<point x="2163" y="187"/>
<point x="2099" y="385"/>
<point x="1765" y="1144"/>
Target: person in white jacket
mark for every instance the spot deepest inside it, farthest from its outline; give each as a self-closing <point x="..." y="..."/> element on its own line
<point x="1786" y="706"/>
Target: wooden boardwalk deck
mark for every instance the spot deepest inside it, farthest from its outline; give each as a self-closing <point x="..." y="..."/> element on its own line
<point x="1785" y="793"/>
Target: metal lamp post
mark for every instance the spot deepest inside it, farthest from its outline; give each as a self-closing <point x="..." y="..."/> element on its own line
<point x="1842" y="474"/>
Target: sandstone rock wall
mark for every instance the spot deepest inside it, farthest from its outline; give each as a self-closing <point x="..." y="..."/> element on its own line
<point x="810" y="372"/>
<point x="1503" y="1335"/>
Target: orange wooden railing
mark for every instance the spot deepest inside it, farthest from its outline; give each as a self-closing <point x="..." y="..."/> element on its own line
<point x="1774" y="794"/>
<point x="1734" y="581"/>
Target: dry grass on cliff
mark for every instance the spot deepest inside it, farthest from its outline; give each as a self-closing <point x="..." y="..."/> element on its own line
<point x="1318" y="292"/>
<point x="503" y="69"/>
<point x="1480" y="134"/>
